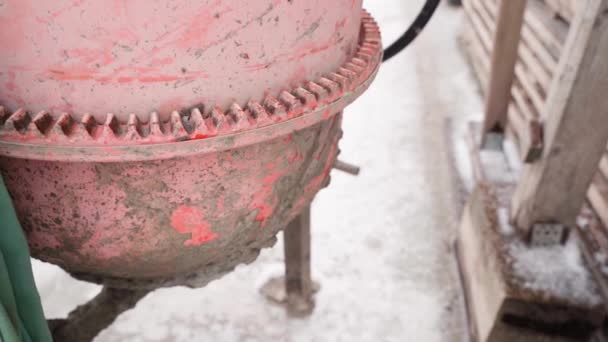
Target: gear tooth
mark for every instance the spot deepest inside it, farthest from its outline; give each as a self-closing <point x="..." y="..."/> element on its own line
<point x="85" y="129"/>
<point x="369" y="25"/>
<point x="257" y="111"/>
<point x="216" y="120"/>
<point x="238" y="116"/>
<point x="41" y="123"/>
<point x="306" y="97"/>
<point x="177" y="125"/>
<point x="374" y="42"/>
<point x="370" y="46"/>
<point x="365" y="55"/>
<point x="133" y="128"/>
<point x="156" y="128"/>
<point x="344" y="82"/>
<point x="63" y="126"/>
<point x="358" y="61"/>
<point x="196" y="119"/>
<point x="111" y="127"/>
<point x="18" y="121"/>
<point x="352" y="76"/>
<point x="319" y="92"/>
<point x="354" y="68"/>
<point x="275" y="108"/>
<point x="332" y="87"/>
<point x="88" y="126"/>
<point x="200" y="130"/>
<point x="291" y="102"/>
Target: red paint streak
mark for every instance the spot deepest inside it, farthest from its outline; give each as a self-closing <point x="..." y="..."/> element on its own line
<point x="125" y="79"/>
<point x="264" y="200"/>
<point x="326" y="114"/>
<point x="202" y="136"/>
<point x="74" y="73"/>
<point x="87" y="74"/>
<point x="187" y="219"/>
<point x="159" y="78"/>
<point x="86" y="56"/>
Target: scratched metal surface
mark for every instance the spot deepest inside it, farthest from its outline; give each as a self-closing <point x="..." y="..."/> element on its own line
<point x="140" y="56"/>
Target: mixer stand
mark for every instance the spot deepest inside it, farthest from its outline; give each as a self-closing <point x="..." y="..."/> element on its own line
<point x="88" y="320"/>
<point x="295" y="290"/>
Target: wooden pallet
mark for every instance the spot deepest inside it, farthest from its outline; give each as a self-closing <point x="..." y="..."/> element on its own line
<point x="542" y="42"/>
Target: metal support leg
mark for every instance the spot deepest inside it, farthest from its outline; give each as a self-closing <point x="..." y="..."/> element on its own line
<point x="298" y="283"/>
<point x="89" y="319"/>
<point x="296" y="288"/>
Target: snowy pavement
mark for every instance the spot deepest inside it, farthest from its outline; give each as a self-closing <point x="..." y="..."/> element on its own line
<point x="381" y="241"/>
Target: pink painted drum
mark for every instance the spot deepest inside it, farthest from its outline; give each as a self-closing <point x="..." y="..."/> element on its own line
<point x="157" y="143"/>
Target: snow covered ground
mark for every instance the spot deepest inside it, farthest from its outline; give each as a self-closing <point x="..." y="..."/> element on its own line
<point x="381" y="241"/>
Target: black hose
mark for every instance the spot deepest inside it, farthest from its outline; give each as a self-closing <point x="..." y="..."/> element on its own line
<point x="423" y="18"/>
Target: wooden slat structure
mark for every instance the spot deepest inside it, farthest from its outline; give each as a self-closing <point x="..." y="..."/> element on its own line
<point x="556" y="117"/>
<point x="543" y="38"/>
<point x="507" y="36"/>
<point x="576" y="130"/>
<point x="538" y="54"/>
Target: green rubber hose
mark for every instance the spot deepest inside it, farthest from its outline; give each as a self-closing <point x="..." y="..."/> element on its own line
<point x="21" y="315"/>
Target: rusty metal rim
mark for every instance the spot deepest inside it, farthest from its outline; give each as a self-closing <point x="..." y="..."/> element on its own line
<point x="63" y="139"/>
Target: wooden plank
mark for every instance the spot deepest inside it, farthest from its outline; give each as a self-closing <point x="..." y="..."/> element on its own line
<point x="540" y="73"/>
<point x="527" y="109"/>
<point x="554" y="189"/>
<point x="528" y="127"/>
<point x="528" y="56"/>
<point x="478" y="56"/>
<point x="504" y="57"/>
<point x="501" y="305"/>
<point x="551" y="32"/>
<point x="548" y="59"/>
<point x="481" y="28"/>
<point x="536" y="98"/>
